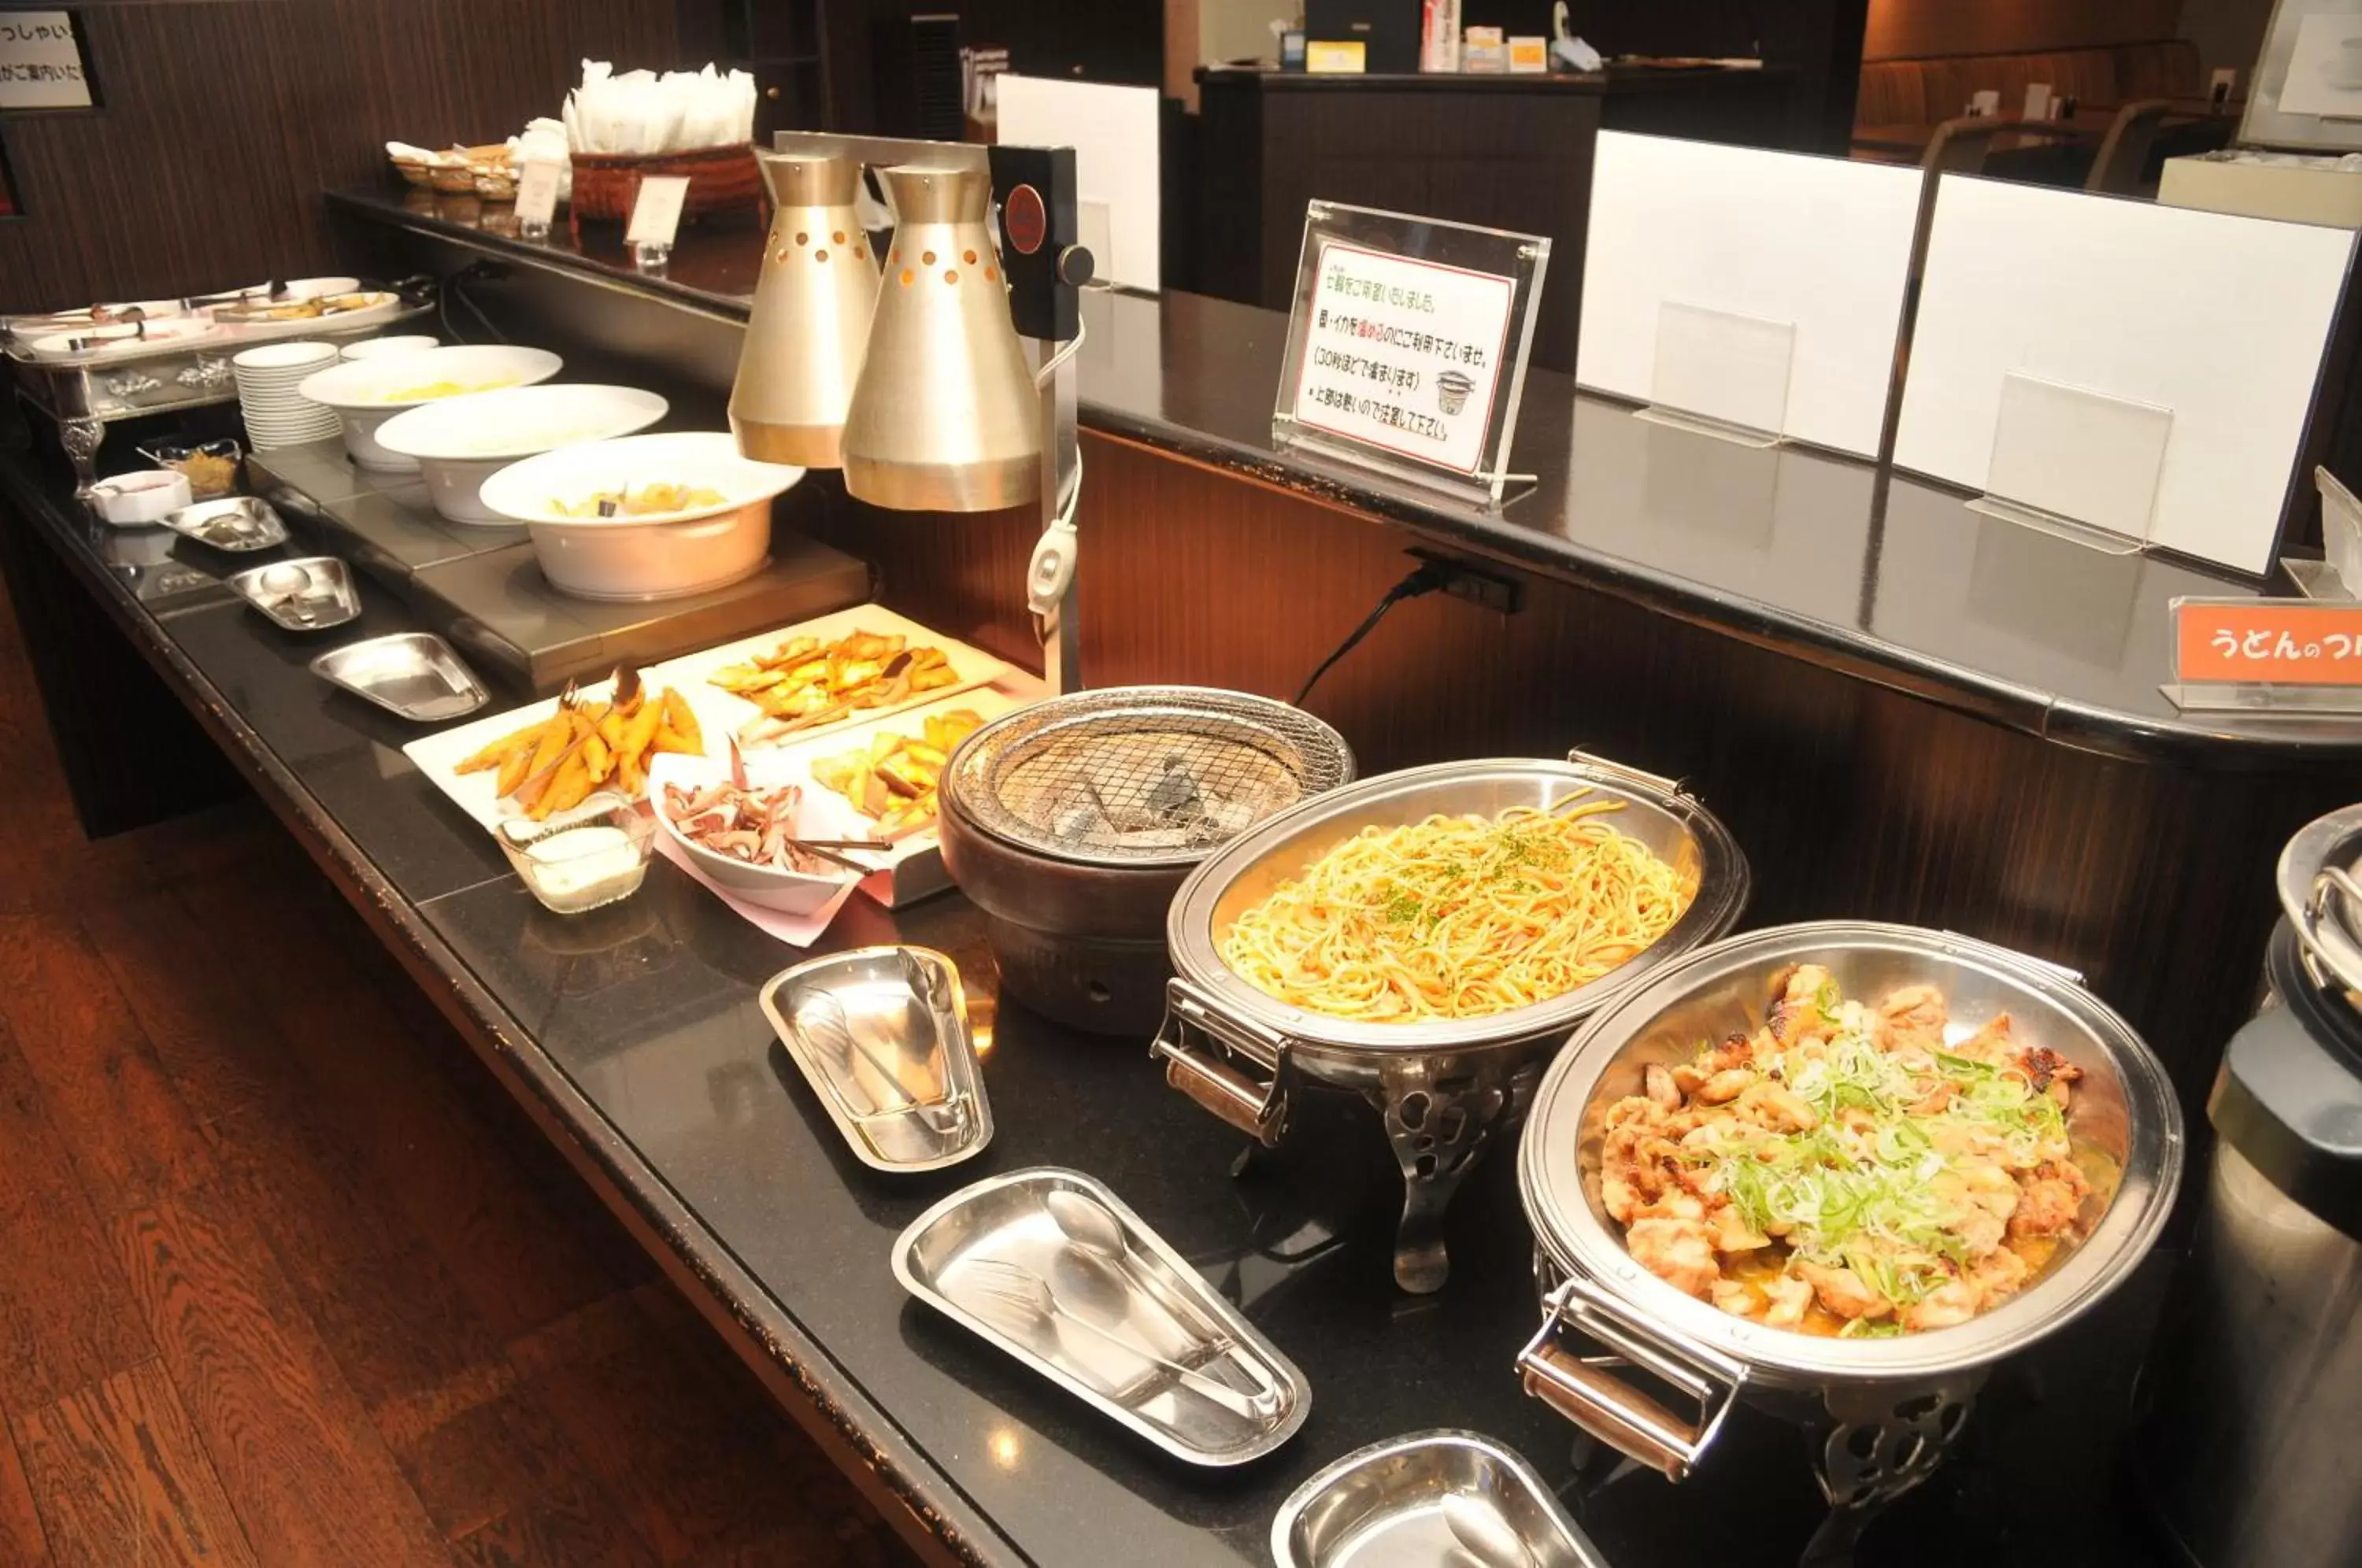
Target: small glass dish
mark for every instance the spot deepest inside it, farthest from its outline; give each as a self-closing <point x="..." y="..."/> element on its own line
<point x="583" y="859"/>
<point x="210" y="467"/>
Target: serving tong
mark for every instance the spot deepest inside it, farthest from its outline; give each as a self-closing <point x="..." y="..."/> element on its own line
<point x="1012" y="1290"/>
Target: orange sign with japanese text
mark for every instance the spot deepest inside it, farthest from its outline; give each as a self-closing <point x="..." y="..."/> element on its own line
<point x="2280" y="642"/>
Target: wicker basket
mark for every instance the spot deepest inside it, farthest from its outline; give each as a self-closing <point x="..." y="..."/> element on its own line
<point x="720" y="178"/>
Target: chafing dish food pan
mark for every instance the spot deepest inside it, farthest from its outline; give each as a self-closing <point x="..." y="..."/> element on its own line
<point x="1438" y="1500"/>
<point x="308" y="595"/>
<point x="1052" y="1267"/>
<point x="881" y="1035"/>
<point x="1884" y="1410"/>
<point x="413" y="674"/>
<point x="238" y="524"/>
<point x="1445" y="1086"/>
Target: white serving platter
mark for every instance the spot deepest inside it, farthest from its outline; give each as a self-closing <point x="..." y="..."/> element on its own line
<point x="437" y="756"/>
<point x="970" y="667"/>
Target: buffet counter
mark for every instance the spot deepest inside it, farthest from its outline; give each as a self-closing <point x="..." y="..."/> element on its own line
<point x="634" y="1036"/>
<point x="1903" y="709"/>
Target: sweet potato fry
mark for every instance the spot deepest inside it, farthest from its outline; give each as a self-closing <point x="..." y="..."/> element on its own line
<point x="497" y="753"/>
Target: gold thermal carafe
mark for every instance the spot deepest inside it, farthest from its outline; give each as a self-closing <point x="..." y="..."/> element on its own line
<point x="945" y="416"/>
<point x="811" y="319"/>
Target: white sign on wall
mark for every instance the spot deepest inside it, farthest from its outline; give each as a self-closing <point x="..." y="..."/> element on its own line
<point x="1407" y="347"/>
<point x="40" y="61"/>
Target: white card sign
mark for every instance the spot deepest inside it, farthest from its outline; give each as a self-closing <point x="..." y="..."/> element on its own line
<point x="40" y="61"/>
<point x="1407" y="348"/>
<point x="655" y="211"/>
<point x="536" y="197"/>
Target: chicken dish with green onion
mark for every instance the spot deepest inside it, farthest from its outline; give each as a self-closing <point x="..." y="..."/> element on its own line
<point x="1847" y="1168"/>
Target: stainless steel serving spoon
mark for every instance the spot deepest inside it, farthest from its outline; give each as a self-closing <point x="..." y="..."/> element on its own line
<point x="1090" y="1225"/>
<point x="292" y="584"/>
<point x="1483" y="1534"/>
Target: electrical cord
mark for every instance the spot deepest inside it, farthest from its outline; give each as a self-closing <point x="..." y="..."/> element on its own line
<point x="455" y="287"/>
<point x="1428" y="578"/>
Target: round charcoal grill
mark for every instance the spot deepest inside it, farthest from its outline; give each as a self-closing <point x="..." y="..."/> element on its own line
<point x="1071" y="823"/>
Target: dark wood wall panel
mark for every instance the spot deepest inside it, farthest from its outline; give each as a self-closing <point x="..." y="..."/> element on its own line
<point x="1850" y="800"/>
<point x="223" y="120"/>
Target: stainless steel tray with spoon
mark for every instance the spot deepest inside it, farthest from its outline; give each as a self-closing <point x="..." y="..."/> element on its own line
<point x="1438" y="1499"/>
<point x="1052" y="1267"/>
<point x="881" y="1035"/>
<point x="238" y="524"/>
<point x="413" y="674"/>
<point x="307" y="595"/>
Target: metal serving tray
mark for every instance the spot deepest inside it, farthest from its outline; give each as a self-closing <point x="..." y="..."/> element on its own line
<point x="238" y="524"/>
<point x="1052" y="1267"/>
<point x="312" y="594"/>
<point x="1438" y="1500"/>
<point x="413" y="674"/>
<point x="881" y="1035"/>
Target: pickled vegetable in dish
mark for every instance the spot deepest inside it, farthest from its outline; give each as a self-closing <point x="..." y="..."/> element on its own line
<point x="1850" y="1169"/>
<point x="645" y="501"/>
<point x="1460" y="917"/>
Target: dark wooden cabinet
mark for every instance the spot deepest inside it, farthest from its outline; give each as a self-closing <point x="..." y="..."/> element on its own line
<point x="1506" y="152"/>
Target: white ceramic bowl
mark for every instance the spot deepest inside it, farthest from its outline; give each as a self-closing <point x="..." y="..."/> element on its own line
<point x="460" y="442"/>
<point x="768" y="887"/>
<point x="368" y="393"/>
<point x="657" y="555"/>
<point x="401" y="343"/>
<point x="145" y="496"/>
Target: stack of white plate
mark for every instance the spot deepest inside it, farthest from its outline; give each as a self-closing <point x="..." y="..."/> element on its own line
<point x="276" y="413"/>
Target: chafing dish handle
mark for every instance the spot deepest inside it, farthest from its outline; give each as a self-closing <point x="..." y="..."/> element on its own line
<point x="1610" y="1409"/>
<point x="1590" y="1396"/>
<point x="2325" y="934"/>
<point x="1258" y="1111"/>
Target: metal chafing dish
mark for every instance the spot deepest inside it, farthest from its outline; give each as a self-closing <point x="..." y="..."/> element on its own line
<point x="1072" y="823"/>
<point x="1443" y="1087"/>
<point x="1885" y="1411"/>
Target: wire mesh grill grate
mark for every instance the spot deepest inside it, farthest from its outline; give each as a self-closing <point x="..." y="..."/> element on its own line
<point x="1143" y="775"/>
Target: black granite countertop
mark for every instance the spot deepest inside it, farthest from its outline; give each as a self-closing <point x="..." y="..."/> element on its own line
<point x="1842" y="563"/>
<point x="637" y="1029"/>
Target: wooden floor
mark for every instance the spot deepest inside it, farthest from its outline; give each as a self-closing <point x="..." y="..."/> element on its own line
<point x="285" y="1278"/>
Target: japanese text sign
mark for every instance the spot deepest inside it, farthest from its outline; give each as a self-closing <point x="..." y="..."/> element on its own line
<point x="2275" y="642"/>
<point x="40" y="61"/>
<point x="1407" y="349"/>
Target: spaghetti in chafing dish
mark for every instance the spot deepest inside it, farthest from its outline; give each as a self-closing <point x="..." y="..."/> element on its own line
<point x="1459" y="917"/>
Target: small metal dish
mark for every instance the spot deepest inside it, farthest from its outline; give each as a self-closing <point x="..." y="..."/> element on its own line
<point x="1052" y="1267"/>
<point x="881" y="1035"/>
<point x="237" y="523"/>
<point x="1427" y="1500"/>
<point x="413" y="674"/>
<point x="307" y="595"/>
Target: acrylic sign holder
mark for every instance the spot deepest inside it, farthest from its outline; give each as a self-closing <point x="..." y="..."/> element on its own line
<point x="1721" y="374"/>
<point x="2075" y="463"/>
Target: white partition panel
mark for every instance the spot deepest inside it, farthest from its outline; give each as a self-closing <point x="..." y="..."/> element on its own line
<point x="2218" y="320"/>
<point x="1118" y="179"/>
<point x="1689" y="231"/>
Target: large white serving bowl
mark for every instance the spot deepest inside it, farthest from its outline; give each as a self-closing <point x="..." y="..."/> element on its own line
<point x="657" y="555"/>
<point x="366" y="392"/>
<point x="460" y="442"/>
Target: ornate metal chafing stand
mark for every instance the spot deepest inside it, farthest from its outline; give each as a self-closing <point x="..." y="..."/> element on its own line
<point x="84" y="393"/>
